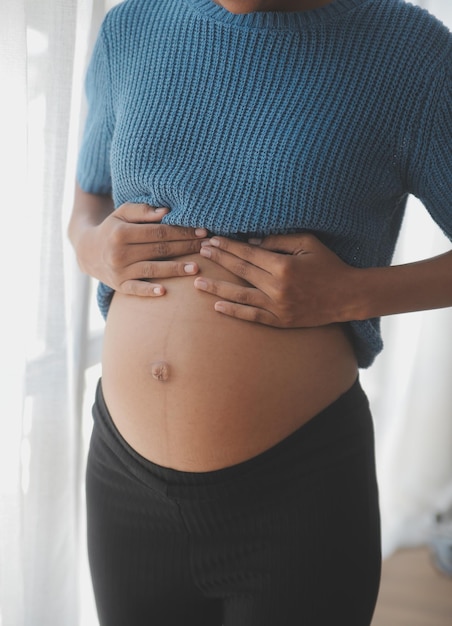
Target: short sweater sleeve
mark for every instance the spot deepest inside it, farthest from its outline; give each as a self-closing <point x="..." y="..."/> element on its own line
<point x="93" y="169"/>
<point x="434" y="186"/>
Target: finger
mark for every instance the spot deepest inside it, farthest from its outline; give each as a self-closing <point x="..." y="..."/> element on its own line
<point x="248" y="271"/>
<point x="232" y="292"/>
<point x="149" y="270"/>
<point x="141" y="288"/>
<point x="133" y="253"/>
<point x="151" y="233"/>
<point x="253" y="254"/>
<point x="247" y="313"/>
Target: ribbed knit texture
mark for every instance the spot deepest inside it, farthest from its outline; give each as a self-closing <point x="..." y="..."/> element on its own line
<point x="262" y="123"/>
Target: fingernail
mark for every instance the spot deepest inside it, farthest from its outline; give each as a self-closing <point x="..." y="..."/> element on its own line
<point x="201" y="232"/>
<point x="214" y="241"/>
<point x="255" y="241"/>
<point x="200" y="283"/>
<point x="161" y="210"/>
<point x="205" y="251"/>
<point x="159" y="291"/>
<point x="189" y="268"/>
<point x="219" y="306"/>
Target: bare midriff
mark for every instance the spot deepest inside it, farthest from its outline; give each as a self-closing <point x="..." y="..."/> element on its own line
<point x="192" y="389"/>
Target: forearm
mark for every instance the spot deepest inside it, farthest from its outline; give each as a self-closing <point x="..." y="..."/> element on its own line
<point x="89" y="211"/>
<point x="416" y="286"/>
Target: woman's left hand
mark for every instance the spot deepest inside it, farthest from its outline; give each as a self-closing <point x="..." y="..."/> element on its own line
<point x="293" y="281"/>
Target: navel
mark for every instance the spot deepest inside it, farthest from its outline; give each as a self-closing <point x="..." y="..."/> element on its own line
<point x="160" y="371"/>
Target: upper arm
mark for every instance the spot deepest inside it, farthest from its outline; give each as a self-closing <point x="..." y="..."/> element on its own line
<point x="93" y="169"/>
<point x="433" y="182"/>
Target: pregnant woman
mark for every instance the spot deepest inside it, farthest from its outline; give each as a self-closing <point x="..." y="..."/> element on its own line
<point x="241" y="184"/>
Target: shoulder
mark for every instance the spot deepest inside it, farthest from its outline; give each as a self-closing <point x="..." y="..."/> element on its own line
<point x="407" y="24"/>
<point x="128" y="14"/>
<point x="129" y="27"/>
<point x="131" y="8"/>
<point x="406" y="14"/>
<point x="404" y="39"/>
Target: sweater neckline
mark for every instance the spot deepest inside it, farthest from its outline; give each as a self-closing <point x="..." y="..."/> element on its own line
<point x="275" y="20"/>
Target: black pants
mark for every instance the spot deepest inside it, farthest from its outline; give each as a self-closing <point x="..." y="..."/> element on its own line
<point x="290" y="537"/>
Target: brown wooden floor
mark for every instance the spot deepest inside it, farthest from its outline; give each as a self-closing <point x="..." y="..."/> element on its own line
<point x="412" y="592"/>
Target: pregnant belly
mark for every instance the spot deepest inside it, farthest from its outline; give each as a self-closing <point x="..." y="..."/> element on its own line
<point x="192" y="389"/>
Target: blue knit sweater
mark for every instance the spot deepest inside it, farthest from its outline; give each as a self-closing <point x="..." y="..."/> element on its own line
<point x="322" y="120"/>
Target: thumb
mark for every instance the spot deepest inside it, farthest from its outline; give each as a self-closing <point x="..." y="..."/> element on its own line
<point x="140" y="213"/>
<point x="293" y="243"/>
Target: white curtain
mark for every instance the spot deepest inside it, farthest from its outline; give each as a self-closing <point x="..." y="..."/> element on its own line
<point x="50" y="335"/>
<point x="45" y="345"/>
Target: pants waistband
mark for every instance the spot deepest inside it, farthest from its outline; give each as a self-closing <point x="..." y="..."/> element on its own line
<point x="335" y="432"/>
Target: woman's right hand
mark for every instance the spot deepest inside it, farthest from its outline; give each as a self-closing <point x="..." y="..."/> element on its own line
<point x="129" y="249"/>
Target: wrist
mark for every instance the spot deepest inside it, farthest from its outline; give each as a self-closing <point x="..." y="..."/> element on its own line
<point x="85" y="245"/>
<point x="357" y="303"/>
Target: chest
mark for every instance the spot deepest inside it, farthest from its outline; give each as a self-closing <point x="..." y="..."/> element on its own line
<point x="284" y="137"/>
